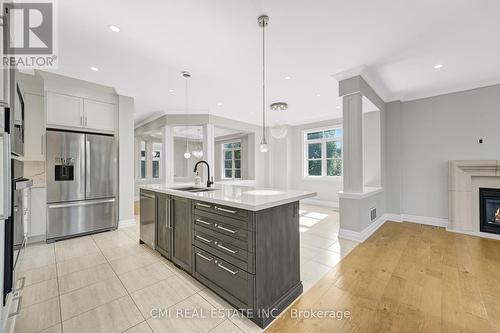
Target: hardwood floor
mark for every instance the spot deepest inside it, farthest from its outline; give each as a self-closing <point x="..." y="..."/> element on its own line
<point x="407" y="278"/>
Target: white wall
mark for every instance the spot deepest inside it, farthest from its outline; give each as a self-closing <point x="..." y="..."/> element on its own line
<point x="433" y="131"/>
<point x="126" y="158"/>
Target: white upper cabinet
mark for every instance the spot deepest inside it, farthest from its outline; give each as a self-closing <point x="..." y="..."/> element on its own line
<point x="34" y="137"/>
<point x="99" y="116"/>
<point x="64" y="110"/>
<point x="80" y="113"/>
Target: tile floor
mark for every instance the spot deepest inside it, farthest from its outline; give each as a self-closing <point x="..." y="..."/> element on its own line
<point x="109" y="283"/>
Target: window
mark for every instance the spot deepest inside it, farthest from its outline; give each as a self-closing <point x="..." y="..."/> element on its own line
<point x="156" y="161"/>
<point x="231" y="160"/>
<point x="323" y="153"/>
<point x="143" y="159"/>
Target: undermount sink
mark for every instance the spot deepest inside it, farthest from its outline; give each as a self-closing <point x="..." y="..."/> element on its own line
<point x="193" y="189"/>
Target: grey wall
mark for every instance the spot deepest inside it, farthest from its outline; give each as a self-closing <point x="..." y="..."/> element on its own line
<point x="433" y="131"/>
<point x="372" y="142"/>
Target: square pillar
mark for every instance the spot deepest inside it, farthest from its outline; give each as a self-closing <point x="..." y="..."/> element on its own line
<point x="167" y="158"/>
<point x="209" y="147"/>
<point x="352" y="124"/>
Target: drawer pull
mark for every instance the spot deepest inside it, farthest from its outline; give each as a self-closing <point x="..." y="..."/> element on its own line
<point x="204" y="222"/>
<point x="226" y="229"/>
<point x="227" y="249"/>
<point x="202" y="256"/>
<point x="226" y="210"/>
<point x="227" y="269"/>
<point x="204" y="239"/>
<point x="203" y="205"/>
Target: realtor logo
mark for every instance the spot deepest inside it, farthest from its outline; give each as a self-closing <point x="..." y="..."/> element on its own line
<point x="30" y="38"/>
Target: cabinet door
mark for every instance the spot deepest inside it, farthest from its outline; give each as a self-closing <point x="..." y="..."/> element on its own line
<point x="64" y="110"/>
<point x="38" y="212"/>
<point x="163" y="234"/>
<point x="181" y="228"/>
<point x="34" y="137"/>
<point x="99" y="116"/>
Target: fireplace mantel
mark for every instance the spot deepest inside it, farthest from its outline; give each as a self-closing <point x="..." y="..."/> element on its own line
<point x="465" y="179"/>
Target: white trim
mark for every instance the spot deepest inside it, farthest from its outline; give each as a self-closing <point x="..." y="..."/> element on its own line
<point x="322" y="203"/>
<point x="126" y="223"/>
<point x="427" y="220"/>
<point x="394" y="217"/>
<point x="367" y="192"/>
<point x="361" y="236"/>
<point x="476" y="233"/>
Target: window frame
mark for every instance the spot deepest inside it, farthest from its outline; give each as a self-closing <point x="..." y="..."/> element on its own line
<point x="223" y="157"/>
<point x="324" y="164"/>
<point x="143" y="159"/>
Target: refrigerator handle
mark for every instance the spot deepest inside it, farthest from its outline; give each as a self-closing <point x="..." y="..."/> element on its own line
<point x="87" y="167"/>
<point x="6" y="176"/>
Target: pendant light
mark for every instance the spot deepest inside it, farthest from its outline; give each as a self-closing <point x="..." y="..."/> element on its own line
<point x="186" y="76"/>
<point x="263" y="21"/>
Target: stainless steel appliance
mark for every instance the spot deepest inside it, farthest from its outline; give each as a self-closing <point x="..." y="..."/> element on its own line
<point x="81" y="183"/>
<point x="7" y="261"/>
<point x="20" y="206"/>
<point x="148" y="217"/>
<point x="17" y="121"/>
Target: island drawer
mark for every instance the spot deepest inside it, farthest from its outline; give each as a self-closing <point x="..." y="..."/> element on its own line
<point x="222" y="210"/>
<point x="241" y="243"/>
<point x="230" y="227"/>
<point x="234" y="255"/>
<point x="232" y="283"/>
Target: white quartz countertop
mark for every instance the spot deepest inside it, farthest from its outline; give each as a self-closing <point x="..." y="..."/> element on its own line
<point x="244" y="197"/>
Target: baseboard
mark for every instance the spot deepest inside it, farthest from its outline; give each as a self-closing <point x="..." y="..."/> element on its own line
<point x="126" y="223"/>
<point x="475" y="233"/>
<point x="322" y="203"/>
<point x="428" y="220"/>
<point x="394" y="217"/>
<point x="361" y="236"/>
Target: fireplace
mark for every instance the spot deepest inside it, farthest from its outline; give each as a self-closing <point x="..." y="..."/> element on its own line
<point x="489" y="208"/>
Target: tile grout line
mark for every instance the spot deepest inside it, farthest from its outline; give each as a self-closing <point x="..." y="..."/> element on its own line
<point x="123" y="285"/>
<point x="58" y="293"/>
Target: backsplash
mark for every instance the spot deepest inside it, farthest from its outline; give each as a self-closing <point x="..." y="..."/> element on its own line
<point x="36" y="172"/>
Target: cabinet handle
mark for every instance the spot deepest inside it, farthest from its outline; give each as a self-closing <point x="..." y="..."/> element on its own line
<point x="204" y="222"/>
<point x="85" y="120"/>
<point x="81" y="120"/>
<point x="41" y="144"/>
<point x="206" y="240"/>
<point x="169" y="213"/>
<point x="202" y="256"/>
<point x="227" y="269"/>
<point x="226" y="229"/>
<point x="226" y="210"/>
<point x="227" y="249"/>
<point x="203" y="205"/>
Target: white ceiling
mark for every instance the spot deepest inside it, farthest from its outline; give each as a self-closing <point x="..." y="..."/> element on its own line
<point x="219" y="42"/>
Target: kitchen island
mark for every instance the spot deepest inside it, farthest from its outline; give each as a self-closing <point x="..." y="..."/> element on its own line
<point x="241" y="242"/>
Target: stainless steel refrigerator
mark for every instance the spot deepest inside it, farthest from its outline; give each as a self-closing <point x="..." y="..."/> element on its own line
<point x="82" y="183"/>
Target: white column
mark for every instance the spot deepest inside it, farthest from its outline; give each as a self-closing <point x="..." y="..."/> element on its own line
<point x="353" y="143"/>
<point x="167" y="157"/>
<point x="209" y="147"/>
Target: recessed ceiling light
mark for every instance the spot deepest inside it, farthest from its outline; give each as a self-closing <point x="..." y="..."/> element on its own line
<point x="438" y="66"/>
<point x="95" y="69"/>
<point x="338" y="107"/>
<point x="318" y="95"/>
<point x="171" y="90"/>
<point x="288" y="77"/>
<point x="113" y="28"/>
<point x="219" y="104"/>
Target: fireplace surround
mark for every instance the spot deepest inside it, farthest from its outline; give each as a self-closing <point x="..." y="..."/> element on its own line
<point x="489" y="208"/>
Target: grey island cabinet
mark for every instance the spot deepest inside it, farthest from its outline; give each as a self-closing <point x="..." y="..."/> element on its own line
<point x="248" y="256"/>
